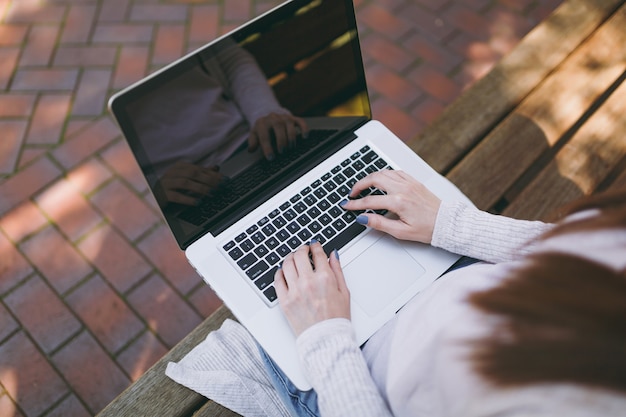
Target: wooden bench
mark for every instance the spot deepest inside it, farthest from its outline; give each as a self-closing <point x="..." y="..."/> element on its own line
<point x="544" y="127"/>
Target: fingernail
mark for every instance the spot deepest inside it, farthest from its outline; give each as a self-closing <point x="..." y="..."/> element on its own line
<point x="362" y="219"/>
<point x="313" y="241"/>
<point x="270" y="157"/>
<point x="336" y="254"/>
<point x="343" y="203"/>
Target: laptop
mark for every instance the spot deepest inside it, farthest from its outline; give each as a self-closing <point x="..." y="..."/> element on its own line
<point x="237" y="209"/>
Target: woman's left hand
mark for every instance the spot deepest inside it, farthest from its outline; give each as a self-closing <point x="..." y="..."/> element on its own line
<point x="309" y="294"/>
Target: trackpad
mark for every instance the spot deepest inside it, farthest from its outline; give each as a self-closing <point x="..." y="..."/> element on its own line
<point x="380" y="274"/>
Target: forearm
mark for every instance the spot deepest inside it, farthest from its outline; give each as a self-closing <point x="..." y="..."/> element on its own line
<point x="471" y="232"/>
<point x="338" y="371"/>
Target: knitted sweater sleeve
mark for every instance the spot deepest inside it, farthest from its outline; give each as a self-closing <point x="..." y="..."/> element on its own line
<point x="465" y="230"/>
<point x="338" y="371"/>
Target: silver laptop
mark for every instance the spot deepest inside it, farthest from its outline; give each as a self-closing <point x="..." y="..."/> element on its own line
<point x="236" y="209"/>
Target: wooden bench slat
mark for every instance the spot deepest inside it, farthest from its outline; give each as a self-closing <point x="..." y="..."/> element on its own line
<point x="490" y="99"/>
<point x="545" y="116"/>
<point x="580" y="167"/>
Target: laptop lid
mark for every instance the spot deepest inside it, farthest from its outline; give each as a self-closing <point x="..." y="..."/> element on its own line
<point x="192" y="119"/>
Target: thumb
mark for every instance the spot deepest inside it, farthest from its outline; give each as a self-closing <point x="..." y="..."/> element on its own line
<point x="335" y="266"/>
<point x="393" y="227"/>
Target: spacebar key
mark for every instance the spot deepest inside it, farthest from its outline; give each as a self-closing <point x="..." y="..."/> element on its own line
<point x="344" y="237"/>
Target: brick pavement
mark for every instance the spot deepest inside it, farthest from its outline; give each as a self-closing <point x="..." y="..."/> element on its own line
<point x="92" y="288"/>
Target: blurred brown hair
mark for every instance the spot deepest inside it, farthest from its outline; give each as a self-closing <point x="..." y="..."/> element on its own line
<point x="563" y="317"/>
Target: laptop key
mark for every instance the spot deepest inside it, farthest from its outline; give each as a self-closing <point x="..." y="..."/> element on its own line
<point x="272" y="258"/>
<point x="329" y="232"/>
<point x="315" y="227"/>
<point x="290" y="214"/>
<point x="344" y="237"/>
<point x="247" y="261"/>
<point x="235" y="254"/>
<point x="283" y="250"/>
<point x="270" y="294"/>
<point x="272" y="242"/>
<point x="294" y="242"/>
<point x="282" y="235"/>
<point x="246" y="245"/>
<point x="304" y="235"/>
<point x="258" y="269"/>
<point x="339" y="224"/>
<point x="261" y="251"/>
<point x="266" y="279"/>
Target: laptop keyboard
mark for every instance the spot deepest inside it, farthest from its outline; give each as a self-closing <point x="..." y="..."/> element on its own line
<point x="313" y="213"/>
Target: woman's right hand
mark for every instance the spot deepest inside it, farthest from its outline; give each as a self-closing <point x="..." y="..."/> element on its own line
<point x="415" y="206"/>
<point x="186" y="183"/>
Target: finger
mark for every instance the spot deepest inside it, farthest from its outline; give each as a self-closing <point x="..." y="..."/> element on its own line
<point x="319" y="256"/>
<point x="384" y="180"/>
<point x="253" y="141"/>
<point x="176" y="197"/>
<point x="280" y="284"/>
<point x="289" y="270"/>
<point x="302" y="125"/>
<point x="371" y="202"/>
<point x="209" y="177"/>
<point x="302" y="261"/>
<point x="281" y="133"/>
<point x="185" y="184"/>
<point x="291" y="132"/>
<point x="394" y="227"/>
<point x="335" y="266"/>
<point x="265" y="138"/>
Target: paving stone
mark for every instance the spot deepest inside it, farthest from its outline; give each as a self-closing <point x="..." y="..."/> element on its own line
<point x="7" y="406"/>
<point x="79" y="23"/>
<point x="129" y="213"/>
<point x="45" y="79"/>
<point x="92" y="93"/>
<point x="115" y="258"/>
<point x="68" y="209"/>
<point x="132" y="66"/>
<point x="162" y="250"/>
<point x="42" y="313"/>
<point x="97" y="135"/>
<point x="56" y="259"/>
<point x="27" y="182"/>
<point x="16" y="105"/>
<point x="70" y="406"/>
<point x="8" y="324"/>
<point x="89" y="176"/>
<point x="28" y="377"/>
<point x="13" y="266"/>
<point x="13" y="132"/>
<point x="8" y="62"/>
<point x="40" y="45"/>
<point x="91" y="373"/>
<point x="167" y="314"/>
<point x="48" y="119"/>
<point x="141" y="354"/>
<point x="23" y="220"/>
<point x="105" y="313"/>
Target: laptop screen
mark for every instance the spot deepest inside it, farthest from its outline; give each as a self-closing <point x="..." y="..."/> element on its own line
<point x="226" y="127"/>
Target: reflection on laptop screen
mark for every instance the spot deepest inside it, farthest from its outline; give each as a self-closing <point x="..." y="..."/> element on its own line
<point x="207" y="129"/>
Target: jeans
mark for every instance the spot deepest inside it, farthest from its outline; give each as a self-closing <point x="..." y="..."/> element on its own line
<point x="299" y="403"/>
